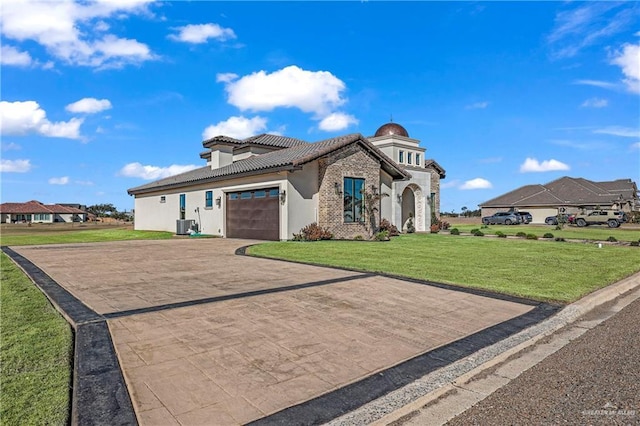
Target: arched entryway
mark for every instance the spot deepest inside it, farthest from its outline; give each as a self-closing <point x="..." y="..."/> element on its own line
<point x="413" y="205"/>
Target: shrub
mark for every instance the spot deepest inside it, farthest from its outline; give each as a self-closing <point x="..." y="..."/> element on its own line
<point x="612" y="239"/>
<point x="548" y="235"/>
<point x="382" y="236"/>
<point x="435" y="228"/>
<point x="521" y="234"/>
<point x="502" y="235"/>
<point x="411" y="228"/>
<point x="444" y="225"/>
<point x="454" y="231"/>
<point x="474" y="230"/>
<point x="532" y="237"/>
<point x="558" y="228"/>
<point x="358" y="238"/>
<point x="560" y="239"/>
<point x="385" y="225"/>
<point x="484" y="227"/>
<point x="635" y="243"/>
<point x="478" y="233"/>
<point x="313" y="232"/>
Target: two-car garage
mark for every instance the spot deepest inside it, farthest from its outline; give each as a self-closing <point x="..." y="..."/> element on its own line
<point x="253" y="214"/>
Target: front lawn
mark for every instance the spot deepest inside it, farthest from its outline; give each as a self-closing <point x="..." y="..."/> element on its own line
<point x="35" y="354"/>
<point x="540" y="270"/>
<point x="43" y="235"/>
<point x="625" y="232"/>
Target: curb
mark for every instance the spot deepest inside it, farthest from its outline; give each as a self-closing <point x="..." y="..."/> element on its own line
<point x="403" y="402"/>
<point x="99" y="393"/>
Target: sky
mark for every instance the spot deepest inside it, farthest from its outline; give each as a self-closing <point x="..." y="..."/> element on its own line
<point x="99" y="97"/>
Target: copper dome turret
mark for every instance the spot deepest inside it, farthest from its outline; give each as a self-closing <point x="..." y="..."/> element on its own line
<point x="391" y="129"/>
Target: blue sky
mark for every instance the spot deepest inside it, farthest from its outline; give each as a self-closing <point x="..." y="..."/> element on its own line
<point x="98" y="97"/>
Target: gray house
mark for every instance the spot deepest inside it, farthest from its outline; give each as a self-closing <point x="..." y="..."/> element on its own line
<point x="566" y="195"/>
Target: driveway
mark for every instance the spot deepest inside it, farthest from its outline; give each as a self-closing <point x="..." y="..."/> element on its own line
<point x="205" y="336"/>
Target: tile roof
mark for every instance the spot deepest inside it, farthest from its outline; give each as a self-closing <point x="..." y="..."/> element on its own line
<point x="284" y="159"/>
<point x="566" y="191"/>
<point x="36" y="207"/>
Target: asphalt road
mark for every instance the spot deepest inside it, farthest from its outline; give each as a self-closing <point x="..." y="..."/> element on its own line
<point x="594" y="380"/>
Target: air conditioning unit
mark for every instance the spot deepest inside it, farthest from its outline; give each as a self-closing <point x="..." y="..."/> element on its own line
<point x="183" y="226"/>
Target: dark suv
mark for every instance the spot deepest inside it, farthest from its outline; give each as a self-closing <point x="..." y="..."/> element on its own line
<point x="524" y="217"/>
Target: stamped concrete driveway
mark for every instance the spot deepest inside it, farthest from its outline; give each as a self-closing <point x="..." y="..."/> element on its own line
<point x="205" y="336"/>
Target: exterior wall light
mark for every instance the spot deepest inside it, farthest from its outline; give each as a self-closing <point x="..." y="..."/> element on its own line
<point x="283" y="196"/>
<point x="337" y="188"/>
<point x="399" y="198"/>
<point x="219" y="201"/>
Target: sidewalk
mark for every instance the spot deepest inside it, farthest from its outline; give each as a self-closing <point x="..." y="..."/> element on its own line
<point x="439" y="397"/>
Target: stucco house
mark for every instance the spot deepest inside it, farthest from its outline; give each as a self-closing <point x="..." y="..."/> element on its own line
<point x="36" y="212"/>
<point x="270" y="187"/>
<point x="566" y="195"/>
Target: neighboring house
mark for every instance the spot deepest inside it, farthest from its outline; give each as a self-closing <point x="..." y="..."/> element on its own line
<point x="36" y="212"/>
<point x="566" y="195"/>
<point x="270" y="187"/>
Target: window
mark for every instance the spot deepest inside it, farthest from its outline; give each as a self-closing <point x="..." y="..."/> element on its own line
<point x="260" y="194"/>
<point x="183" y="206"/>
<point x="43" y="216"/>
<point x="274" y="192"/>
<point x="417" y="159"/>
<point x="233" y="196"/>
<point x="163" y="199"/>
<point x="246" y="194"/>
<point x="401" y="157"/>
<point x="353" y="200"/>
<point x="409" y="156"/>
<point x="208" y="199"/>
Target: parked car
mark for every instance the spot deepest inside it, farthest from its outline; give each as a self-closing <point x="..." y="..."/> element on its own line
<point x="501" y="218"/>
<point x="525" y="217"/>
<point x="564" y="218"/>
<point x="612" y="218"/>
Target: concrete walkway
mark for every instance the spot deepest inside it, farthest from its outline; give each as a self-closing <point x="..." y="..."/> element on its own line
<point x="204" y="336"/>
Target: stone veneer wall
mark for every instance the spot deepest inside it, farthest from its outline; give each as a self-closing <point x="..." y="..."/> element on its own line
<point x="350" y="161"/>
<point x="435" y="188"/>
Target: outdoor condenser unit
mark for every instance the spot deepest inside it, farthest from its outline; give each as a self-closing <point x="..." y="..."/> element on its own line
<point x="183" y="226"/>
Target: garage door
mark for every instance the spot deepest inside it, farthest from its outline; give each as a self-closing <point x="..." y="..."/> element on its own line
<point x="254" y="214"/>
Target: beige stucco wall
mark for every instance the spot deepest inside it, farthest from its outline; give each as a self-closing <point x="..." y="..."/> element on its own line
<point x="302" y="199"/>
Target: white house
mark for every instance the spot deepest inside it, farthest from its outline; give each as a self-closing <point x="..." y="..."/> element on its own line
<point x="36" y="212"/>
<point x="270" y="187"/>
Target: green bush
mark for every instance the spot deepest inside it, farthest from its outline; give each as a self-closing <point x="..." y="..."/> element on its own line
<point x="500" y="234"/>
<point x="612" y="239"/>
<point x="558" y="228"/>
<point x="479" y="233"/>
<point x="635" y="243"/>
<point x="484" y="226"/>
<point x="358" y="238"/>
<point x="521" y="234"/>
<point x="454" y="231"/>
<point x="548" y="235"/>
<point x="532" y="237"/>
<point x="313" y="232"/>
<point x="382" y="236"/>
<point x="560" y="239"/>
<point x="474" y="230"/>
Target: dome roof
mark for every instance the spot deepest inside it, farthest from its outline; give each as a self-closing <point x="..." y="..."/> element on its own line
<point x="391" y="129"/>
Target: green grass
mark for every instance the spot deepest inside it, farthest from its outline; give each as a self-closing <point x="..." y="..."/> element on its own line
<point x="28" y="237"/>
<point x="35" y="354"/>
<point x="540" y="270"/>
<point x="595" y="233"/>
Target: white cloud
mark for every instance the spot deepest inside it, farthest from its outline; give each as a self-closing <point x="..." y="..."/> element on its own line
<point x="450" y="184"/>
<point x="89" y="105"/>
<point x="477" y="183"/>
<point x="478" y="105"/>
<point x="15" y="166"/>
<point x="236" y="127"/>
<point x="9" y="55"/>
<point x="629" y="60"/>
<point x="337" y="121"/>
<point x="635" y="146"/>
<point x="625" y="132"/>
<point x="20" y="118"/>
<point x="73" y="31"/>
<point x="318" y="92"/>
<point x="137" y="170"/>
<point x="597" y="83"/>
<point x="59" y="180"/>
<point x="587" y="24"/>
<point x="595" y="103"/>
<point x="226" y="77"/>
<point x="11" y="146"/>
<point x="533" y="165"/>
<point x="202" y="33"/>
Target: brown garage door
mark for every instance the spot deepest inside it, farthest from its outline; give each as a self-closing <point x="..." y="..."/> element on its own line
<point x="254" y="214"/>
